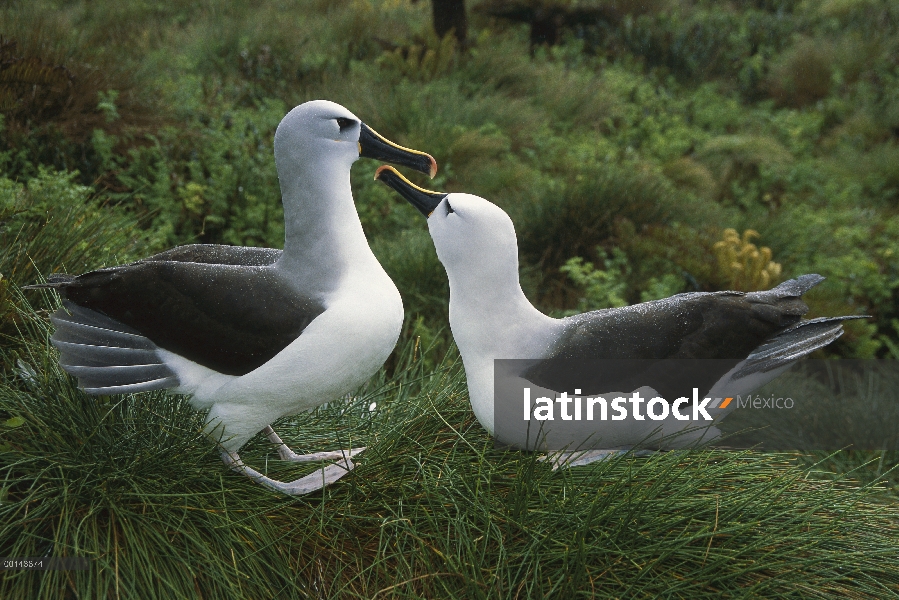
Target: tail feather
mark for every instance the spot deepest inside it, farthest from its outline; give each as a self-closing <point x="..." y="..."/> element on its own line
<point x="145" y="386"/>
<point x="79" y="333"/>
<point x="60" y="278"/>
<point x="794" y="343"/>
<point x="84" y="326"/>
<point x="57" y="281"/>
<point x="90" y="355"/>
<point x="86" y="316"/>
<point x="106" y="356"/>
<point x="796" y="287"/>
<point x="116" y="375"/>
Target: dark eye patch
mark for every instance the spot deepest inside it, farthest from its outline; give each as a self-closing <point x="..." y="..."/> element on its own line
<point x="345" y="123"/>
<point x="449" y="209"/>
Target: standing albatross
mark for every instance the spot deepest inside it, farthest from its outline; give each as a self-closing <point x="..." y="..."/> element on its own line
<point x="745" y="339"/>
<point x="252" y="334"/>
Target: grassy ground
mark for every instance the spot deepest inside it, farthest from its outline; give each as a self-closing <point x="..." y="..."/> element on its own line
<point x="633" y="145"/>
<point x="433" y="509"/>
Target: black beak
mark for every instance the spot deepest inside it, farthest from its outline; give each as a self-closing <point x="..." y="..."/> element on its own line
<point x="424" y="200"/>
<point x="374" y="145"/>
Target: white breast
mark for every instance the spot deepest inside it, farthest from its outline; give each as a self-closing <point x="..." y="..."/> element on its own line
<point x="336" y="353"/>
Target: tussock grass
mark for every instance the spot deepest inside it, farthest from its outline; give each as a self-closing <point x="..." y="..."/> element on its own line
<point x="54" y="224"/>
<point x="599" y="141"/>
<point x="432" y="510"/>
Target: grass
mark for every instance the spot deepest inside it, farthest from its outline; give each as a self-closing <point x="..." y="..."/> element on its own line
<point x="432" y="510"/>
<point x="55" y="225"/>
<point x="641" y="137"/>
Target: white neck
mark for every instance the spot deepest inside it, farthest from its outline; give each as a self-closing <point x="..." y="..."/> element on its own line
<point x="491" y="318"/>
<point x="320" y="221"/>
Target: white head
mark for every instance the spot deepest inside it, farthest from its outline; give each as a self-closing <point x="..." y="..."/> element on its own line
<point x="315" y="146"/>
<point x="316" y="131"/>
<point x="474" y="238"/>
<point x="490" y="316"/>
<point x="321" y="132"/>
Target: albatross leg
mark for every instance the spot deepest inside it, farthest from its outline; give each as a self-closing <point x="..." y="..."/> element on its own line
<point x="566" y="460"/>
<point x="310" y="483"/>
<point x="287" y="454"/>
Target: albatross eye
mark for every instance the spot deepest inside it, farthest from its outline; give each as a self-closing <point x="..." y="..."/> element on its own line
<point x="344" y="123"/>
<point x="449" y="209"/>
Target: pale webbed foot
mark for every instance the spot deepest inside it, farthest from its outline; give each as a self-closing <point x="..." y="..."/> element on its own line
<point x="566" y="460"/>
<point x="287" y="454"/>
<point x="310" y="483"/>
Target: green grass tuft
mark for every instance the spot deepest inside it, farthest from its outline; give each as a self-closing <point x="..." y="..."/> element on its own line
<point x="432" y="510"/>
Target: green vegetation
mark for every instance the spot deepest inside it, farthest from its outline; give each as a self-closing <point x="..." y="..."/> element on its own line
<point x="650" y="130"/>
<point x="623" y="155"/>
<point x="433" y="510"/>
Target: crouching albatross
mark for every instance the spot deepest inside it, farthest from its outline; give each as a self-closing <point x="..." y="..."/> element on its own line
<point x="753" y="337"/>
<point x="252" y="334"/>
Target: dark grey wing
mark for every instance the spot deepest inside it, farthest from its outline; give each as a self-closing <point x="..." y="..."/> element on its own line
<point x="656" y="343"/>
<point x="198" y="253"/>
<point x="229" y="318"/>
<point x="219" y="254"/>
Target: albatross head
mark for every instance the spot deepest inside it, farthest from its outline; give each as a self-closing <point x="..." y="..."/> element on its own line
<point x="474" y="238"/>
<point x="489" y="315"/>
<point x="323" y="131"/>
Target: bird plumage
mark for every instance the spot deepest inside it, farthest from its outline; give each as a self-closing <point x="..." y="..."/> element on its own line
<point x="720" y="342"/>
<point x="253" y="334"/>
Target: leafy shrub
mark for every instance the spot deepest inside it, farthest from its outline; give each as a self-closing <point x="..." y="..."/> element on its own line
<point x="750" y="167"/>
<point x="53" y="224"/>
<point x="670" y="257"/>
<point x="211" y="181"/>
<point x="603" y="288"/>
<point x="803" y="74"/>
<point x="54" y="98"/>
<point x="422" y="62"/>
<point x="571" y="216"/>
<point x="658" y="288"/>
<point x="708" y="42"/>
<point x="687" y="173"/>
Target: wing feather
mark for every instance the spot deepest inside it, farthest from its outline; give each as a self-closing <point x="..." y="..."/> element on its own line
<point x="656" y="343"/>
<point x="227" y="317"/>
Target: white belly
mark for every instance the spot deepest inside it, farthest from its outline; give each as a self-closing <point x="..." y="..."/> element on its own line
<point x="340" y="350"/>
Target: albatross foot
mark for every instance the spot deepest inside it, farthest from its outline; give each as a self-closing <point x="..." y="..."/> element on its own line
<point x="310" y="483"/>
<point x="566" y="460"/>
<point x="287" y="454"/>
